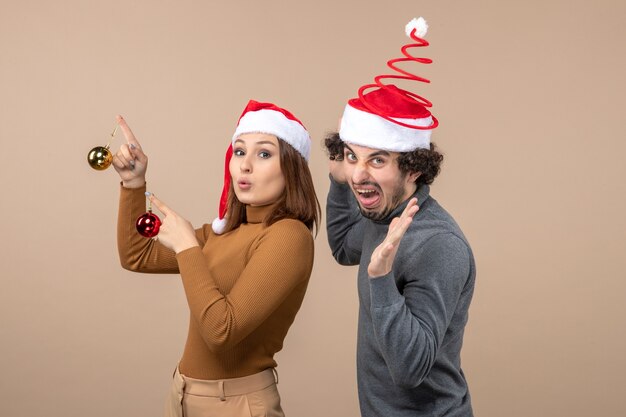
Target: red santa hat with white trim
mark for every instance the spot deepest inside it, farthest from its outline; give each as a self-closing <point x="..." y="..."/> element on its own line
<point x="269" y="119"/>
<point x="389" y="117"/>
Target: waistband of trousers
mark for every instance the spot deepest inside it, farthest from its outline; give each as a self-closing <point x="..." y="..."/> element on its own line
<point x="227" y="387"/>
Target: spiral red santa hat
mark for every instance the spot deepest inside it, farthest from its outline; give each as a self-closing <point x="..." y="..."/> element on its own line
<point x="388" y="117"/>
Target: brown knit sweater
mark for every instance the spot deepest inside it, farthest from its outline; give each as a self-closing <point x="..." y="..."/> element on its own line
<point x="243" y="288"/>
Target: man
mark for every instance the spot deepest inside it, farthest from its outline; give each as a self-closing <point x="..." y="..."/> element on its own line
<point x="416" y="269"/>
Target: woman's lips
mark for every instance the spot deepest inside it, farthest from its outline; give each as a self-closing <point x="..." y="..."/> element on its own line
<point x="243" y="185"/>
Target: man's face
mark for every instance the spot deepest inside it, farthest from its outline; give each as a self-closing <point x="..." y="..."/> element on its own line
<point x="376" y="180"/>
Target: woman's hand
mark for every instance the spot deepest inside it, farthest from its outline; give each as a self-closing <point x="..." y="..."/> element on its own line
<point x="130" y="162"/>
<point x="175" y="233"/>
<point x="384" y="255"/>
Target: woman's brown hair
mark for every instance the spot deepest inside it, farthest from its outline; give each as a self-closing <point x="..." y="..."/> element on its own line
<point x="298" y="200"/>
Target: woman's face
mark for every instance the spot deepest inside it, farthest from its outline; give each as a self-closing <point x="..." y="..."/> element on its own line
<point x="255" y="169"/>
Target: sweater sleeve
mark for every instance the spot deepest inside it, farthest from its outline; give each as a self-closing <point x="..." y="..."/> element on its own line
<point x="410" y="326"/>
<point x="135" y="251"/>
<point x="344" y="224"/>
<point x="281" y="261"/>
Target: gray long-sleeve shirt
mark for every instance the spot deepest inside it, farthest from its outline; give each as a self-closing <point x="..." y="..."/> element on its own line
<point x="411" y="321"/>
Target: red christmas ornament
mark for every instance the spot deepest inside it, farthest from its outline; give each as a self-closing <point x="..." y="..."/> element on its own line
<point x="148" y="224"/>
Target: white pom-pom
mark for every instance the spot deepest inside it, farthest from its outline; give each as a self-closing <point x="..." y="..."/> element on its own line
<point x="420" y="26"/>
<point x="218" y="226"/>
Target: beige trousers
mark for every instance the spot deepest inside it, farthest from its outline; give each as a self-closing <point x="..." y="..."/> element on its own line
<point x="249" y="396"/>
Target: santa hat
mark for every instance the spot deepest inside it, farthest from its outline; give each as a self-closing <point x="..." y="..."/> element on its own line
<point x="389" y="117"/>
<point x="269" y="119"/>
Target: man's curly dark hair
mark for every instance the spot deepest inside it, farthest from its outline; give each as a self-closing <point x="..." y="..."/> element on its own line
<point x="426" y="161"/>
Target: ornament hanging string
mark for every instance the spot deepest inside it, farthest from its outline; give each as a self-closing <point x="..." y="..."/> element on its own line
<point x="112" y="135"/>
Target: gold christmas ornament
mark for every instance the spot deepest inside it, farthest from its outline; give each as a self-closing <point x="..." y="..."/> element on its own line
<point x="100" y="157"/>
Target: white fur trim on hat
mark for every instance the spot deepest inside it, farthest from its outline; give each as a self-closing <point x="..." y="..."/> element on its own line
<point x="275" y="123"/>
<point x="218" y="225"/>
<point x="372" y="131"/>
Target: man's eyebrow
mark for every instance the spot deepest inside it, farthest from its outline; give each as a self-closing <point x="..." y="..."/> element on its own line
<point x="379" y="152"/>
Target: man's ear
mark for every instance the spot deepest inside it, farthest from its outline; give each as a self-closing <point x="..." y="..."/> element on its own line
<point x="414" y="176"/>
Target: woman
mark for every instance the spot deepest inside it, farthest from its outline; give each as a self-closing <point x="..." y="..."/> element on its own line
<point x="245" y="275"/>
